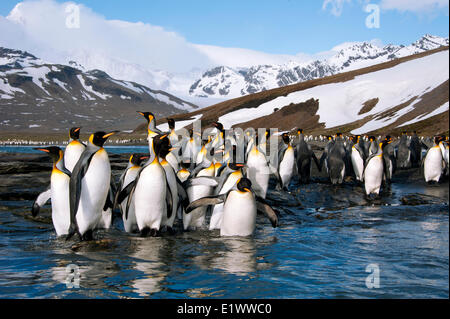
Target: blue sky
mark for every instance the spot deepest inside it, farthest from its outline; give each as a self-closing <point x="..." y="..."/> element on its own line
<point x="282" y="26"/>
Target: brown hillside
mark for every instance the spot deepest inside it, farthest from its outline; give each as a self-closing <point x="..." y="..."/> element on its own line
<point x="291" y="116"/>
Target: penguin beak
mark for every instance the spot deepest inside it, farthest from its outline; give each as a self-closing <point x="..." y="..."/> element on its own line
<point x="77" y="129"/>
<point x="144" y="157"/>
<point x="109" y="134"/>
<point x="246" y="189"/>
<point x="43" y="150"/>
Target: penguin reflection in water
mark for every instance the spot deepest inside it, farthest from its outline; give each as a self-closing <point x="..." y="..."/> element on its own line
<point x="239" y="210"/>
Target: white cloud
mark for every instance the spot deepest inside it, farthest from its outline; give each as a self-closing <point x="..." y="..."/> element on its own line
<point x="418" y="6"/>
<point x="40" y="27"/>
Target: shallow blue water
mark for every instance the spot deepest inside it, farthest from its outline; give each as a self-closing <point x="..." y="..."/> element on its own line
<point x="111" y="149"/>
<point x="327" y="237"/>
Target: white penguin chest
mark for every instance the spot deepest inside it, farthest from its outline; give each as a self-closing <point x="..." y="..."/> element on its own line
<point x="72" y="154"/>
<point x="287" y="163"/>
<point x="239" y="214"/>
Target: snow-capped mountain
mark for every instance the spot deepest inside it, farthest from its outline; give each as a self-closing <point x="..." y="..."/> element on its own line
<point x="224" y="81"/>
<point x="407" y="93"/>
<point x="32" y="89"/>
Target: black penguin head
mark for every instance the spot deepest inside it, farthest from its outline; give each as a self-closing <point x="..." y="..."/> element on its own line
<point x="354" y="139"/>
<point x="299" y="131"/>
<point x="74" y="133"/>
<point x="244" y="185"/>
<point x="218" y="125"/>
<point x="438" y="139"/>
<point x="285" y="138"/>
<point x="171" y="123"/>
<point x="185" y="165"/>
<point x="53" y="151"/>
<point x="136" y="159"/>
<point x="147" y="115"/>
<point x="384" y="143"/>
<point x="191" y="133"/>
<point x="99" y="138"/>
<point x="161" y="144"/>
<point x="371" y="138"/>
<point x="235" y="166"/>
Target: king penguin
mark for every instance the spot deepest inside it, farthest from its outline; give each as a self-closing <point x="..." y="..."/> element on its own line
<point x="286" y="162"/>
<point x="374" y="170"/>
<point x="59" y="192"/>
<point x="433" y="164"/>
<point x="172" y="183"/>
<point x="205" y="169"/>
<point x="150" y="191"/>
<point x="127" y="177"/>
<point x="304" y="156"/>
<point x="89" y="186"/>
<point x="257" y="169"/>
<point x="172" y="157"/>
<point x="416" y="147"/>
<point x="152" y="131"/>
<point x="390" y="162"/>
<point x="403" y="152"/>
<point x="74" y="149"/>
<point x="228" y="178"/>
<point x="337" y="160"/>
<point x="357" y="158"/>
<point x="239" y="210"/>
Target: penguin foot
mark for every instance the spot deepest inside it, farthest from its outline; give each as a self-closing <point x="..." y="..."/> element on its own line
<point x="154" y="232"/>
<point x="170" y="230"/>
<point x="372" y="196"/>
<point x="88" y="235"/>
<point x="145" y="232"/>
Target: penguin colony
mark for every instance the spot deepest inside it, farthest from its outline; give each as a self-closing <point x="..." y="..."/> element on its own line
<point x="185" y="179"/>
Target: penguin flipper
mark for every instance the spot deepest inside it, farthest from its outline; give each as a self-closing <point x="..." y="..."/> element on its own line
<point x="109" y="202"/>
<point x="262" y="206"/>
<point x="181" y="191"/>
<point x="197" y="169"/>
<point x="169" y="200"/>
<point x="40" y="201"/>
<point x="205" y="201"/>
<point x="120" y="196"/>
<point x="202" y="180"/>
<point x="221" y="168"/>
<point x="78" y="173"/>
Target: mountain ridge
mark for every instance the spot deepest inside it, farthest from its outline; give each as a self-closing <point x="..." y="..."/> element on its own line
<point x="31" y="89"/>
<point x="397" y="113"/>
<point x="224" y="81"/>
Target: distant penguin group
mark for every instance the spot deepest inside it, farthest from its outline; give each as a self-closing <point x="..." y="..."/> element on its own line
<point x="225" y="175"/>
